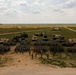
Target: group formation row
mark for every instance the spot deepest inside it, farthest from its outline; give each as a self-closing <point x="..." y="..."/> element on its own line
<point x="57" y="44"/>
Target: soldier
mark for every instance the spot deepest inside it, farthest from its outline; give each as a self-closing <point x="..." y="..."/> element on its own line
<point x="32" y="56"/>
<point x="29" y="52"/>
<point x="47" y="56"/>
<point x="35" y="54"/>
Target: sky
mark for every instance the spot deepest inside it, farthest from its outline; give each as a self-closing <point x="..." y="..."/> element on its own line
<point x="37" y="11"/>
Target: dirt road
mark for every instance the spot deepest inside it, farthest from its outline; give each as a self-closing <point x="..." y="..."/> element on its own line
<point x="22" y="31"/>
<point x="70" y="29"/>
<point x="36" y="70"/>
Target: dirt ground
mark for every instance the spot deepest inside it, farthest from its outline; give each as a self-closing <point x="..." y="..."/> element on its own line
<point x="22" y="64"/>
<point x="36" y="70"/>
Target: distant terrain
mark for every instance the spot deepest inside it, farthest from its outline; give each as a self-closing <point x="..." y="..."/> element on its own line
<point x="9" y="30"/>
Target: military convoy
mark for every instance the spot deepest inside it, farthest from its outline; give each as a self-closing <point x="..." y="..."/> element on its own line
<point x="56" y="44"/>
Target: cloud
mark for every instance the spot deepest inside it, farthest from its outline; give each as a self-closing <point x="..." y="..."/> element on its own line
<point x="48" y="9"/>
<point x="71" y="4"/>
<point x="36" y="12"/>
<point x="59" y="11"/>
<point x="11" y="13"/>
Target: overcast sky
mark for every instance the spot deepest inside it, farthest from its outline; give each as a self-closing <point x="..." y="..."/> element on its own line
<point x="37" y="11"/>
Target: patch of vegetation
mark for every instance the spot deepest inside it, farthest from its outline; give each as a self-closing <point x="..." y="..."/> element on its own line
<point x="4" y="60"/>
<point x="73" y="65"/>
<point x="53" y="62"/>
<point x="21" y="29"/>
<point x="73" y="28"/>
<point x="32" y="31"/>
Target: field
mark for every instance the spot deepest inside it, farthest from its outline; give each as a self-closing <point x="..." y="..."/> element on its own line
<point x="10" y="31"/>
<point x="73" y="28"/>
<point x="11" y="58"/>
